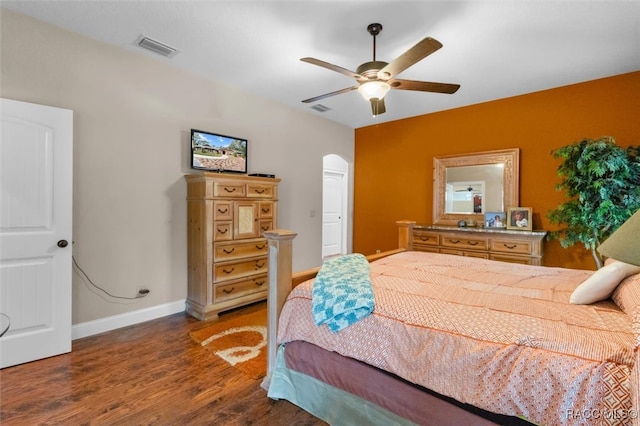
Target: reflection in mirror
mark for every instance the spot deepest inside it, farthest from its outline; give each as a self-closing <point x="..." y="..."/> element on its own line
<point x="466" y="186"/>
<point x="464" y="197"/>
<point x="481" y="188"/>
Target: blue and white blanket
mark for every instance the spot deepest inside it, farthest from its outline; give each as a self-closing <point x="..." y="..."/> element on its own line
<point x="342" y="292"/>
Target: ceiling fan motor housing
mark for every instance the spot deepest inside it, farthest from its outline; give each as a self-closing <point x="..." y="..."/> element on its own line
<point x="370" y="69"/>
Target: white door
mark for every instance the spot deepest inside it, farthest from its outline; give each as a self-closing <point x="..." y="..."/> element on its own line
<point x="36" y="154"/>
<point x="333" y="204"/>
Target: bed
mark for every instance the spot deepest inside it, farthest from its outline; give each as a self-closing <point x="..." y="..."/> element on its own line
<point x="456" y="340"/>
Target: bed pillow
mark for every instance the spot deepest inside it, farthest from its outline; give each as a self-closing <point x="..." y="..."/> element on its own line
<point x="627" y="296"/>
<point x="602" y="283"/>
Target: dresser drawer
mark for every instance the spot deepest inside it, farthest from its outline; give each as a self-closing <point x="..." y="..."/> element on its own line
<point x="506" y="245"/>
<point x="453" y="252"/>
<point x="222" y="231"/>
<point x="478" y="254"/>
<point x="240" y="288"/>
<point x="260" y="190"/>
<point x="425" y="238"/>
<point x="515" y="259"/>
<point x="221" y="189"/>
<point x="243" y="268"/>
<point x="265" y="225"/>
<point x="428" y="249"/>
<point x="231" y="251"/>
<point x="222" y="210"/>
<point x="266" y="209"/>
<point x="464" y="242"/>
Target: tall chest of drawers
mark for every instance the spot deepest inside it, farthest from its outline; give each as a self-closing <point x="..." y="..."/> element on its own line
<point x="497" y="244"/>
<point x="227" y="255"/>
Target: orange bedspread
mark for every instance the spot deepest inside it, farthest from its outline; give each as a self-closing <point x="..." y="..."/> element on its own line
<point x="500" y="336"/>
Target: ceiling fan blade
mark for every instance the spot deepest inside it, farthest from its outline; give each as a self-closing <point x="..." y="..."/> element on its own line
<point x="326" y="95"/>
<point x="418" y="52"/>
<point x="424" y="86"/>
<point x="377" y="106"/>
<point x="332" y="67"/>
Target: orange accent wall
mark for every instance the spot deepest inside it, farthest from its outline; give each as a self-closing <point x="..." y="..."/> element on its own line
<point x="393" y="174"/>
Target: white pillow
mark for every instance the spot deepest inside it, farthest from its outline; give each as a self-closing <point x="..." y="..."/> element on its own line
<point x="602" y="283"/>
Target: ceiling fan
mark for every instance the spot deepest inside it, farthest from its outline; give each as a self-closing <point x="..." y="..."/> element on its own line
<point x="468" y="189"/>
<point x="376" y="78"/>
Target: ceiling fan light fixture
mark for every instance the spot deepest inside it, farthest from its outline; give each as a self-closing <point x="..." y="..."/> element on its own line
<point x="374" y="89"/>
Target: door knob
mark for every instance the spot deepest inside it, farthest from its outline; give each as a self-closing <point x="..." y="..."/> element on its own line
<point x="63" y="243"/>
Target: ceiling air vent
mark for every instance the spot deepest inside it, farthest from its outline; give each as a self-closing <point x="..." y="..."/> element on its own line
<point x="320" y="108"/>
<point x="156" y="47"/>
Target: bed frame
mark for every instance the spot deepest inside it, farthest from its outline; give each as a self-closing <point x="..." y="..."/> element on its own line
<point x="282" y="280"/>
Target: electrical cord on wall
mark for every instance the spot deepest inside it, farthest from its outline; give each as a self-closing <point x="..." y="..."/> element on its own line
<point x="141" y="293"/>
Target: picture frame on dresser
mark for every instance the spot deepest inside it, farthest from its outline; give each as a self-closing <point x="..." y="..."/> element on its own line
<point x="495" y="220"/>
<point x="520" y="218"/>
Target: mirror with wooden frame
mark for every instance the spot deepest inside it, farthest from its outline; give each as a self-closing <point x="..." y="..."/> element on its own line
<point x="467" y="186"/>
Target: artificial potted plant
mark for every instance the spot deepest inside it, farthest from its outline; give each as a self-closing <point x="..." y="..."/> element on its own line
<point x="602" y="185"/>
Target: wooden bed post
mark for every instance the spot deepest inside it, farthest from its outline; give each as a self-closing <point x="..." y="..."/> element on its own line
<point x="405" y="234"/>
<point x="280" y="266"/>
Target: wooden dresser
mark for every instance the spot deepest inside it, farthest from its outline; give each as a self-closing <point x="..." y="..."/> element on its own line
<point x="227" y="255"/>
<point x="496" y="244"/>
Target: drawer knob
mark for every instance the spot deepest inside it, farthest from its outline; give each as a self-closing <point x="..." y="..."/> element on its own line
<point x="228" y="291"/>
<point x="229" y="251"/>
<point x="259" y="283"/>
<point x="259" y="264"/>
<point x="259" y="191"/>
<point x="223" y="211"/>
<point x="267" y="210"/>
<point x="510" y="246"/>
<point x="424" y="238"/>
<point x="472" y="243"/>
<point x="230" y="189"/>
<point x="229" y="271"/>
<point x="260" y="247"/>
<point x="222" y="231"/>
<point x="454" y="241"/>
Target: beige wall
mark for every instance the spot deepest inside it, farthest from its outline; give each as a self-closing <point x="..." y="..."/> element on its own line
<point x="132" y="116"/>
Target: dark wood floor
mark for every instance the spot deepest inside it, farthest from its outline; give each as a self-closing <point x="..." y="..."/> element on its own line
<point x="146" y="374"/>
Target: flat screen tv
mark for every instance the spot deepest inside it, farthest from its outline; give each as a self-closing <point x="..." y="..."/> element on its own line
<point x="218" y="153"/>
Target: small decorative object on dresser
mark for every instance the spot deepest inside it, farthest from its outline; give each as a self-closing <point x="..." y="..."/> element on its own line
<point x="519" y="218"/>
<point x="495" y="220"/>
<point x="227" y="253"/>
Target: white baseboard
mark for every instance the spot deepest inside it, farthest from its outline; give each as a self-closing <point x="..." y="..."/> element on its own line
<point x="101" y="325"/>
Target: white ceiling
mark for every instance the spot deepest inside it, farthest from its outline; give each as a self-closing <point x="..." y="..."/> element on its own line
<point x="493" y="49"/>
